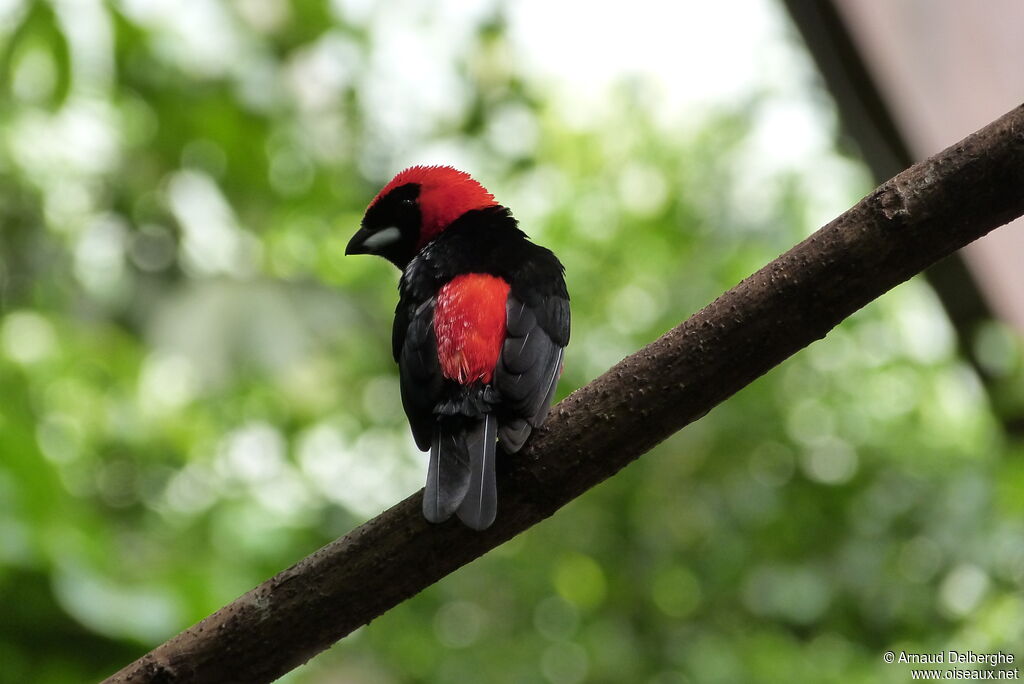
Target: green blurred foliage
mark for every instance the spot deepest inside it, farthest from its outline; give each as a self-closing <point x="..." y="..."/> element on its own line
<point x="197" y="389"/>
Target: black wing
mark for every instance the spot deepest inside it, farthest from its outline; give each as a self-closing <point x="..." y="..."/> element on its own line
<point x="415" y="349"/>
<point x="530" y="363"/>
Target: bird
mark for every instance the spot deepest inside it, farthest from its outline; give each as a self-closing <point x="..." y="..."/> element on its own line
<point x="479" y="333"/>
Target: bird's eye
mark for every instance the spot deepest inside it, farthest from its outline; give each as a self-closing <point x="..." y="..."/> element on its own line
<point x="408" y="201"/>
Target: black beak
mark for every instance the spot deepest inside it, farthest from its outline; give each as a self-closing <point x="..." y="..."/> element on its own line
<point x="356" y="244"/>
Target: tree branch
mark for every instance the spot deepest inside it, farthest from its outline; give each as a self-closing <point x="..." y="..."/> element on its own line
<point x="920" y="216"/>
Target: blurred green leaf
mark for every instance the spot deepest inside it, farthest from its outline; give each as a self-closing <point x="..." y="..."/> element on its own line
<point x="35" y="59"/>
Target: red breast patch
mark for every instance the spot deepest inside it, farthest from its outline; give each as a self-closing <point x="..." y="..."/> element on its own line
<point x="469" y="324"/>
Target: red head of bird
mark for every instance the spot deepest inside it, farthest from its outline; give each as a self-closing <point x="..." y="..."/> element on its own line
<point x="414" y="208"/>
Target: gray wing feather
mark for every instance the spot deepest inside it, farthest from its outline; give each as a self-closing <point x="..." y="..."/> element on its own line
<point x="420" y="373"/>
<point x="513" y="434"/>
<point x="529" y="366"/>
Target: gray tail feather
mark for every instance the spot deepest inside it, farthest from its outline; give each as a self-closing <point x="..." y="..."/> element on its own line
<point x="448" y="475"/>
<point x="480" y="505"/>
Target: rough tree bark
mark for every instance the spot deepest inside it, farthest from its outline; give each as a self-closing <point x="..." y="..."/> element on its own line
<point x="920" y="216"/>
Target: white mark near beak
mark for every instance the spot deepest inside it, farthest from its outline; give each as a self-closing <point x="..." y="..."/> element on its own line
<point x="382" y="238"/>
